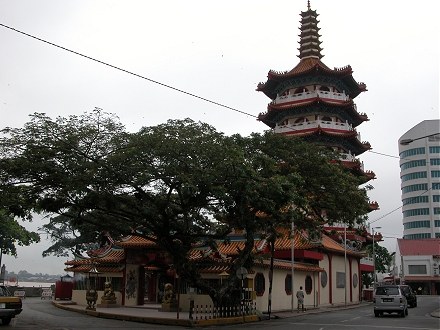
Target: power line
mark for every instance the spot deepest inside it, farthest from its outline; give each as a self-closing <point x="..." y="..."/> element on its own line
<point x="127" y="71"/>
<point x="398" y="208"/>
<point x="148" y="79"/>
<point x="379" y="153"/>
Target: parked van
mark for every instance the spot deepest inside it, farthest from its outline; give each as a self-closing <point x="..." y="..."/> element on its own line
<point x="390" y="299"/>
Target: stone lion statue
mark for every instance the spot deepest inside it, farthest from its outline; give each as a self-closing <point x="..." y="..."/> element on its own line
<point x="109" y="295"/>
<point x="168" y="296"/>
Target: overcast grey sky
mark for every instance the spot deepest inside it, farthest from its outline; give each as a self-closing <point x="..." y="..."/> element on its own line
<point x="219" y="50"/>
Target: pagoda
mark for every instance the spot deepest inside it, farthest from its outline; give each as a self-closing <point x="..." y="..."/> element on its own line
<point x="316" y="103"/>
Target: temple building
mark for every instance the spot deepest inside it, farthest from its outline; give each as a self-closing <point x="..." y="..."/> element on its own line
<point x="315" y="103"/>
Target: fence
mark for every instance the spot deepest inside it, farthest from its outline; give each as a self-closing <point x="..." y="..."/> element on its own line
<point x="208" y="312"/>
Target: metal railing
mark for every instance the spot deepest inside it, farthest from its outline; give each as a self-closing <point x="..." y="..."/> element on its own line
<point x="208" y="312"/>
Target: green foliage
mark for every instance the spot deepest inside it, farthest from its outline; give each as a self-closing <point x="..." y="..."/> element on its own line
<point x="13" y="234"/>
<point x="382" y="256"/>
<point x="177" y="183"/>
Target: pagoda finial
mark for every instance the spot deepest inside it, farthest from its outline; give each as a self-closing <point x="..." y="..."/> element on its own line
<point x="309" y="37"/>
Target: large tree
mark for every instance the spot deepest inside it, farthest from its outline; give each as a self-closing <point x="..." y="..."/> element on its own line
<point x="178" y="183"/>
<point x="13" y="234"/>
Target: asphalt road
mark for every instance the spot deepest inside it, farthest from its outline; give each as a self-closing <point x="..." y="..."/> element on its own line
<point x="41" y="314"/>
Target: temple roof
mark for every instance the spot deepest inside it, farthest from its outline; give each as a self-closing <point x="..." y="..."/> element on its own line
<point x="112" y="259"/>
<point x="134" y="241"/>
<point x="111" y="255"/>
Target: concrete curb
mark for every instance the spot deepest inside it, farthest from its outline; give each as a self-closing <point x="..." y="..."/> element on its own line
<point x="436" y="313"/>
<point x="157" y="320"/>
<point x="316" y="310"/>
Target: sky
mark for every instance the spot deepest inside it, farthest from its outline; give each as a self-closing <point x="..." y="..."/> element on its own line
<point x="219" y="51"/>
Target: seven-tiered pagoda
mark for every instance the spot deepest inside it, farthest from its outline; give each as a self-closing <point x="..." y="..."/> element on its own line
<point x="315" y="102"/>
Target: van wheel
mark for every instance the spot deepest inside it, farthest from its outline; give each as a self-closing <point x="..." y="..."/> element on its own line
<point x="6" y="320"/>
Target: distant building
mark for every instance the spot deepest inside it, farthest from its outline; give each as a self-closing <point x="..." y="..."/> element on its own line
<point x="419" y="151"/>
<point x="418" y="263"/>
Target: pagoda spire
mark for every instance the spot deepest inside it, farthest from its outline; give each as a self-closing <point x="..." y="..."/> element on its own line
<point x="309" y="38"/>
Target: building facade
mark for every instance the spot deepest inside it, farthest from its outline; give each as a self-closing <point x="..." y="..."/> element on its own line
<point x="418" y="264"/>
<point x="139" y="271"/>
<point x="419" y="152"/>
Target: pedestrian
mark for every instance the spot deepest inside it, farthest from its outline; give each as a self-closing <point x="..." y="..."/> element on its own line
<point x="300" y="297"/>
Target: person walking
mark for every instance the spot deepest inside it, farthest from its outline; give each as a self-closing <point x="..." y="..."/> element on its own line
<point x="300" y="297"/>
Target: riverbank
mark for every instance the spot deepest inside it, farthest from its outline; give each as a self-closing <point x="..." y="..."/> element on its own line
<point x="27" y="284"/>
<point x="31" y="291"/>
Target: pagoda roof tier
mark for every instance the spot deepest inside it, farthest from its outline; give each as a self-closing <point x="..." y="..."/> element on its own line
<point x="346" y="140"/>
<point x="337" y="231"/>
<point x="356" y="167"/>
<point x="311" y="70"/>
<point x="346" y="111"/>
<point x="374" y="206"/>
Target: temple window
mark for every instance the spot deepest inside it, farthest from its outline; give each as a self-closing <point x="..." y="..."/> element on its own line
<point x="326" y="118"/>
<point x="260" y="285"/>
<point x="308" y="285"/>
<point x="324" y="89"/>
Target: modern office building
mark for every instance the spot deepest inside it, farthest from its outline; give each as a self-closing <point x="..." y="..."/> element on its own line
<point x="419" y="151"/>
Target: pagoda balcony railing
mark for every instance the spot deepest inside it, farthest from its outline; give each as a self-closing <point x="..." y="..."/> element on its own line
<point x="341" y="225"/>
<point x="351" y="158"/>
<point x="310" y="95"/>
<point x="367" y="261"/>
<point x="306" y="125"/>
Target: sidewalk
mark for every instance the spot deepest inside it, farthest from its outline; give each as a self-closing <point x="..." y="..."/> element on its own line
<point x="151" y="314"/>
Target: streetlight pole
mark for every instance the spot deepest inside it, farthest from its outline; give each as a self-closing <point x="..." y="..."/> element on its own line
<point x="405" y="142"/>
<point x="292" y="256"/>
<point x="374" y="260"/>
<point x="345" y="264"/>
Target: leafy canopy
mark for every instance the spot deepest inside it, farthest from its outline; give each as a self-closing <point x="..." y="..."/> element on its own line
<point x="178" y="183"/>
<point x="13" y="234"/>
